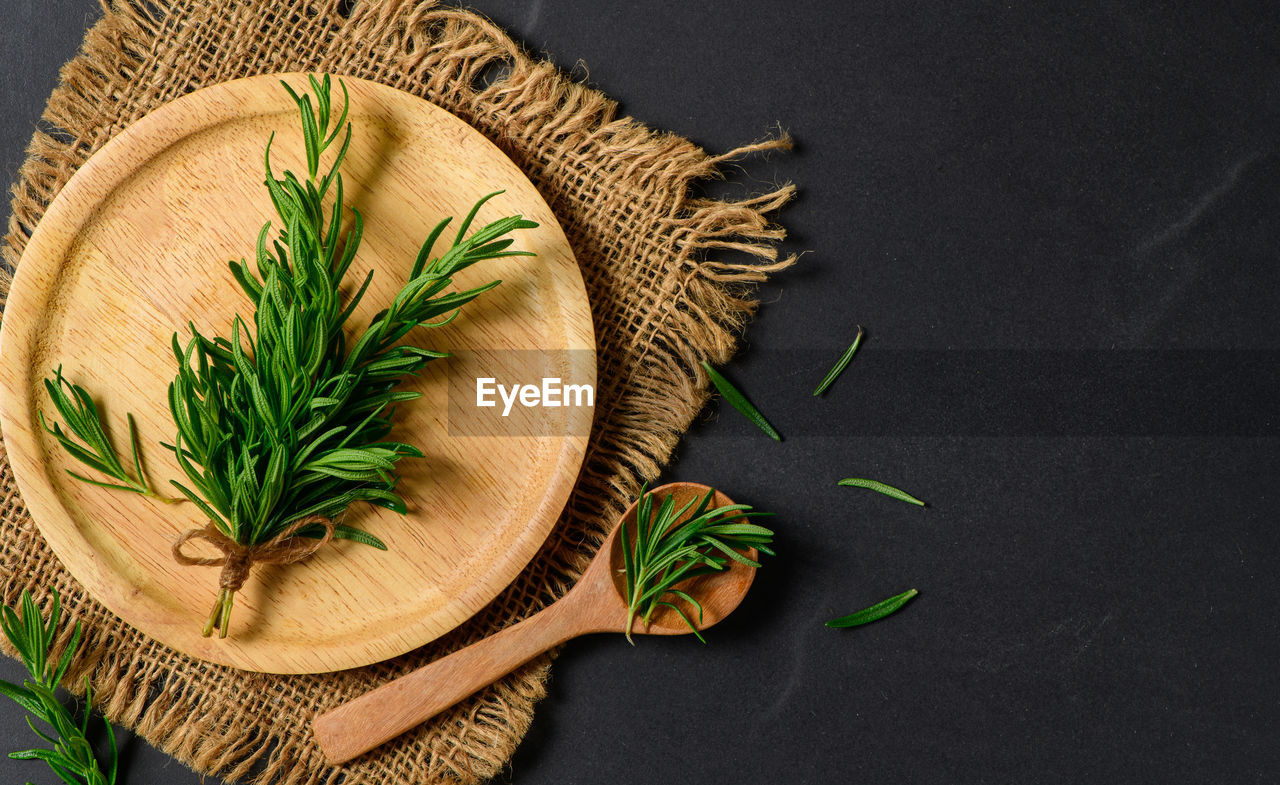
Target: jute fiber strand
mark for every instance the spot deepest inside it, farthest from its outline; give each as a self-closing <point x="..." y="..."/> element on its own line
<point x="663" y="298"/>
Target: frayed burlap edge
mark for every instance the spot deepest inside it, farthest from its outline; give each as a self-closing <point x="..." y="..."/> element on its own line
<point x="663" y="299"/>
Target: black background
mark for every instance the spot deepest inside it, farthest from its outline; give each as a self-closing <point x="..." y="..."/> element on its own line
<point x="1060" y="226"/>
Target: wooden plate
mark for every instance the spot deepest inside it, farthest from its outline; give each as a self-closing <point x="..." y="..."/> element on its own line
<point x="137" y="244"/>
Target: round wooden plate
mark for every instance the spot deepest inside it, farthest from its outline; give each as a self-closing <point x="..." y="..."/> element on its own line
<point x="137" y="244"/>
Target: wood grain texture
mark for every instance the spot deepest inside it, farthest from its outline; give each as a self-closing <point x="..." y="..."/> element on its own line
<point x="594" y="604"/>
<point x="136" y="245"/>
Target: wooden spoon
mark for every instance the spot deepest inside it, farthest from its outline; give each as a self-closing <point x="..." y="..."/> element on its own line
<point x="595" y="604"/>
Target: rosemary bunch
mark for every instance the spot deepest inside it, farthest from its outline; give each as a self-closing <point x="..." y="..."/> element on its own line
<point x="667" y="552"/>
<point x="283" y="425"/>
<point x="285" y="422"/>
<point x="71" y="757"/>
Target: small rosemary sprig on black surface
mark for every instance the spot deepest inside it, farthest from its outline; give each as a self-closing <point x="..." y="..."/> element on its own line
<point x="666" y="553"/>
<point x="71" y="756"/>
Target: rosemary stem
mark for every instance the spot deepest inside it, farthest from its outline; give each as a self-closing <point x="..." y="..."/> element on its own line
<point x="225" y="621"/>
<point x="214" y="615"/>
<point x="648" y="614"/>
<point x="150" y="494"/>
<point x="633" y="607"/>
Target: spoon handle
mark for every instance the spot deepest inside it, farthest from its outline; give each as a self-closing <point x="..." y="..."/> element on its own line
<point x="380" y="715"/>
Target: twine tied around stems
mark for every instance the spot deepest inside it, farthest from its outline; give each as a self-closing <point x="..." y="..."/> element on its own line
<point x="237" y="560"/>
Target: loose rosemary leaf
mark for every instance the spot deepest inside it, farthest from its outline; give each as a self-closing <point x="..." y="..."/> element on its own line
<point x="740" y="402"/>
<point x="877" y="611"/>
<point x="666" y="553"/>
<point x="879" y="487"/>
<point x="840" y="365"/>
<point x="71" y="756"/>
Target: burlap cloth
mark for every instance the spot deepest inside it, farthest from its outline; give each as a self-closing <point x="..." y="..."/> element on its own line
<point x="660" y="298"/>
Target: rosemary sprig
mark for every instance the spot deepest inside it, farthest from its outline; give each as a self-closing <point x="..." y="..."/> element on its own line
<point x="740" y="402"/>
<point x="879" y="487"/>
<point x="71" y="757"/>
<point x="287" y="421"/>
<point x="840" y="365"/>
<point x="93" y="448"/>
<point x="667" y="552"/>
<point x="282" y="426"/>
<point x="877" y="611"/>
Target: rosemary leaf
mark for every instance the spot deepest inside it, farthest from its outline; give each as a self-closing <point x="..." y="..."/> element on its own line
<point x="840" y="365"/>
<point x="879" y="487"/>
<point x="877" y="611"/>
<point x="740" y="402"/>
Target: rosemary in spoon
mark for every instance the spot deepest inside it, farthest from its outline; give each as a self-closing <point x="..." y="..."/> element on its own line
<point x="666" y="552"/>
<point x="282" y="426"/>
<point x="72" y="757"/>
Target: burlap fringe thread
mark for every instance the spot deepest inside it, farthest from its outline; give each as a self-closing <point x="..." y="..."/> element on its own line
<point x="660" y="303"/>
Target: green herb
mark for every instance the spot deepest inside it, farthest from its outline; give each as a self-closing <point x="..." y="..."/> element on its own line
<point x="740" y="402"/>
<point x="94" y="449"/>
<point x="669" y="550"/>
<point x="282" y="426"/>
<point x="292" y="425"/>
<point x="877" y="611"/>
<point x="879" y="487"/>
<point x="72" y="757"/>
<point x="840" y="365"/>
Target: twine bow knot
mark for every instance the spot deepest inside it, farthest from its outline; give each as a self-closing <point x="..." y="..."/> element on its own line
<point x="237" y="560"/>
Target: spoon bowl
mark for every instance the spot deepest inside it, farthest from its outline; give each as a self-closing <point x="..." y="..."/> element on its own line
<point x="719" y="593"/>
<point x="596" y="603"/>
